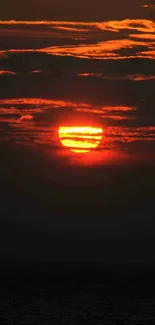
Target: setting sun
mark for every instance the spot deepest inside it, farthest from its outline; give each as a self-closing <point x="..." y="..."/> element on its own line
<point x="80" y="139"/>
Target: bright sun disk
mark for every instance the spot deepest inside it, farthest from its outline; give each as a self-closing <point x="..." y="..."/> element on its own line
<point x="80" y="139"/>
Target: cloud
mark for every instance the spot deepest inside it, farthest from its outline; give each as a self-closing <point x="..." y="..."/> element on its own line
<point x="131" y="134"/>
<point x="41" y="102"/>
<point x="136" y="77"/>
<point x="143" y="36"/>
<point x="5" y="72"/>
<point x="152" y="6"/>
<point x="100" y="51"/>
<point x="35" y="119"/>
<point x="26" y="118"/>
<point x="142" y="25"/>
<point x="71" y="29"/>
<point x="93" y="40"/>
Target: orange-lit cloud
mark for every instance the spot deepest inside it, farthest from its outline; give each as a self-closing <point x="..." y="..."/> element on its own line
<point x="90" y="74"/>
<point x="102" y="109"/>
<point x="101" y="51"/>
<point x="148" y="54"/>
<point x="139" y="77"/>
<point x="134" y="77"/>
<point x="36" y="71"/>
<point x="25" y="118"/>
<point x="24" y="109"/>
<point x="142" y="25"/>
<point x="42" y="102"/>
<point x="148" y="6"/>
<point x="143" y="36"/>
<point x="120" y="118"/>
<point x="97" y="44"/>
<point x="72" y="29"/>
<point x="131" y="134"/>
<point x="5" y="72"/>
<point x="8" y="111"/>
<point x="33" y="33"/>
<point x="109" y="111"/>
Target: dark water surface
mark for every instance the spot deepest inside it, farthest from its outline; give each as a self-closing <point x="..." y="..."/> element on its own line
<point x="77" y="293"/>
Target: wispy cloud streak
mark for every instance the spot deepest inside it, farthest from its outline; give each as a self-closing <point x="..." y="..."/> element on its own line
<point x="92" y="39"/>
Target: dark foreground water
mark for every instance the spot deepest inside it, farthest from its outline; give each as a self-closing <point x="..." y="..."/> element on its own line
<point x="80" y="293"/>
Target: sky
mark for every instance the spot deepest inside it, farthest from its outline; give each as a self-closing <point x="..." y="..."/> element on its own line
<point x="89" y="57"/>
<point x="72" y="10"/>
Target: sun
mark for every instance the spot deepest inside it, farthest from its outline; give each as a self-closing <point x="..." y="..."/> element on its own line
<point x="80" y="139"/>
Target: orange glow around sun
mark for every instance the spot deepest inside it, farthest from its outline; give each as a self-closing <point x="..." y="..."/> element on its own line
<point x="80" y="139"/>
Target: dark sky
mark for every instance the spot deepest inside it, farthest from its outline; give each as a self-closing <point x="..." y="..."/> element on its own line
<point x="56" y="212"/>
<point x="71" y="10"/>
